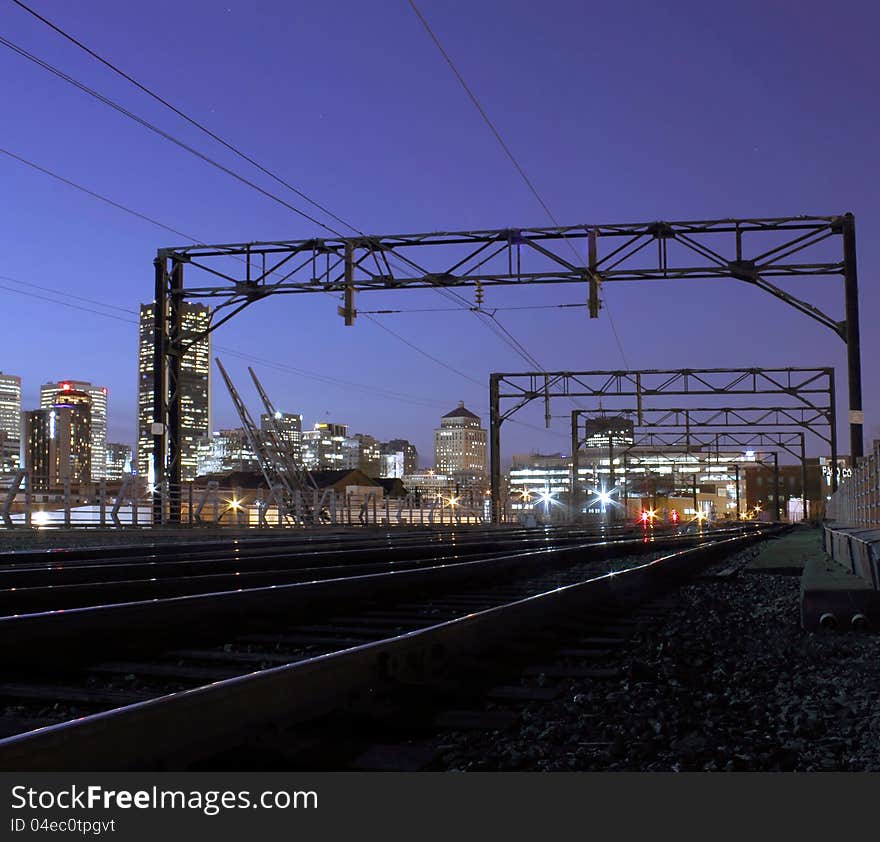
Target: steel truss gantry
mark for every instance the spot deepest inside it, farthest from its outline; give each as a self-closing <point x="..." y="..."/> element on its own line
<point x="762" y="252"/>
<point x="807" y="389"/>
<point x="752" y="427"/>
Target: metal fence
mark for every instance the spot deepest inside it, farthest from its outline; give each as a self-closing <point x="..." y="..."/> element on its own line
<point x="130" y="505"/>
<point x="857" y="500"/>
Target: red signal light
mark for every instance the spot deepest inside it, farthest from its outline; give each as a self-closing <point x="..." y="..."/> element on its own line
<point x="644" y="517"/>
<point x="674" y="516"/>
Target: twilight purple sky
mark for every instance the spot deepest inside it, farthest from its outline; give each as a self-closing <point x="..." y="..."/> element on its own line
<point x="617" y="112"/>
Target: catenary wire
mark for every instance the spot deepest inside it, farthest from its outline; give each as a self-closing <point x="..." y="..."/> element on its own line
<point x="487" y="319"/>
<point x="509" y="154"/>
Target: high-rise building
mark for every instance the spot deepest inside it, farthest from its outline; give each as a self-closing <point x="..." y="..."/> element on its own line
<point x="57" y="444"/>
<point x="408" y="452"/>
<point x="10" y="422"/>
<point x="460" y="446"/>
<point x="289" y="424"/>
<point x="603" y="430"/>
<point x="51" y="393"/>
<point x="195" y="388"/>
<point x="323" y="446"/>
<point x="362" y="452"/>
<point x="226" y="451"/>
<point x="118" y="460"/>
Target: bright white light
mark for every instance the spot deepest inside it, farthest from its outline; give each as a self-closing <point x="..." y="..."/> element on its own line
<point x="603" y="497"/>
<point x="40" y="518"/>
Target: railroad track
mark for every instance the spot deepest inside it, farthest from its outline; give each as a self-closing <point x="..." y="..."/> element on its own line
<point x="61" y="583"/>
<point x="191" y="676"/>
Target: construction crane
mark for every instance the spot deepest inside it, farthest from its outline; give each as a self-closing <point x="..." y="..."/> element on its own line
<point x="282" y="476"/>
<point x="278" y="446"/>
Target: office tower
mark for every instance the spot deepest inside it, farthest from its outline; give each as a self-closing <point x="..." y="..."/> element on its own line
<point x="323" y="446"/>
<point x="118" y="460"/>
<point x="10" y="422"/>
<point x="460" y="445"/>
<point x="289" y="424"/>
<point x="408" y="458"/>
<point x="225" y="451"/>
<point x="57" y="444"/>
<point x="50" y="394"/>
<point x="195" y="388"/>
<point x="364" y="453"/>
<point x="605" y="430"/>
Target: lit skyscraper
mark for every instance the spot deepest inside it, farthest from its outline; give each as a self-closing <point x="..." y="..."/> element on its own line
<point x="323" y="446"/>
<point x="10" y="422"/>
<point x="289" y="424"/>
<point x="195" y="388"/>
<point x="51" y="393"/>
<point x="57" y="443"/>
<point x="460" y="445"/>
<point x="118" y="460"/>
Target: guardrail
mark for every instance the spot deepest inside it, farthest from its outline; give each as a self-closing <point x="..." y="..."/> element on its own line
<point x="130" y="505"/>
<point x="857" y="500"/>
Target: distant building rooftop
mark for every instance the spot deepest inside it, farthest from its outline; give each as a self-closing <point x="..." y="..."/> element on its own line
<point x="461" y="412"/>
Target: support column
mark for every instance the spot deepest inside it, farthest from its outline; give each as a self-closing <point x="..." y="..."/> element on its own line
<point x="853" y="345"/>
<point x="736" y="474"/>
<point x="832" y="400"/>
<point x="159" y="394"/>
<point x="495" y="446"/>
<point x="776" y="485"/>
<point x="804" y="477"/>
<point x="575" y="496"/>
<point x="175" y="356"/>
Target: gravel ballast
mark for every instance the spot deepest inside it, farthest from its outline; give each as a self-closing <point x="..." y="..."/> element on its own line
<point x="726" y="681"/>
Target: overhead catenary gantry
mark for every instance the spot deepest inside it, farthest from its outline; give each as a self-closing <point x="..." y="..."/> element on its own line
<point x="698" y="427"/>
<point x="763" y="252"/>
<point x="810" y="389"/>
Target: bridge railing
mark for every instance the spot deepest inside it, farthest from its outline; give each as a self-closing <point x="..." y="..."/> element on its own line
<point x="130" y="504"/>
<point x="857" y="499"/>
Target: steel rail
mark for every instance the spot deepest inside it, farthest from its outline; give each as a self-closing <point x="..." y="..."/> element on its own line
<point x="174" y="730"/>
<point x="65" y="635"/>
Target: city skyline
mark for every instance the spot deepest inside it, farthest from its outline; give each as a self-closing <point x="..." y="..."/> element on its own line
<point x="776" y="162"/>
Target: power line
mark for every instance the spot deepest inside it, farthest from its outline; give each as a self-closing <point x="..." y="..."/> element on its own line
<point x="501" y="332"/>
<point x="578" y="305"/>
<point x="146" y="218"/>
<point x="311" y="375"/>
<point x="325" y="379"/>
<point x="182" y="114"/>
<point x="98" y="196"/>
<point x="161" y="132"/>
<point x="472" y="96"/>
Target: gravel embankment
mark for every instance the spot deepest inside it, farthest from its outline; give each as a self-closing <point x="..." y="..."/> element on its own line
<point x="729" y="681"/>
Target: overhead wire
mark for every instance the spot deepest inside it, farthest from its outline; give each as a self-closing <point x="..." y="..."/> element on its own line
<point x="503" y="334"/>
<point x="507" y="151"/>
<point x="487" y="318"/>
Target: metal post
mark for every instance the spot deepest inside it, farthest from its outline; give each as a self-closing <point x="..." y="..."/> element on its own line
<point x="174" y="353"/>
<point x="575" y="467"/>
<point x="159" y="399"/>
<point x="803" y="477"/>
<point x="625" y="488"/>
<point x="102" y="502"/>
<point x="67" y="501"/>
<point x="495" y="446"/>
<point x="736" y="474"/>
<point x="610" y="510"/>
<point x="776" y="484"/>
<point x="832" y="401"/>
<point x="853" y="345"/>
